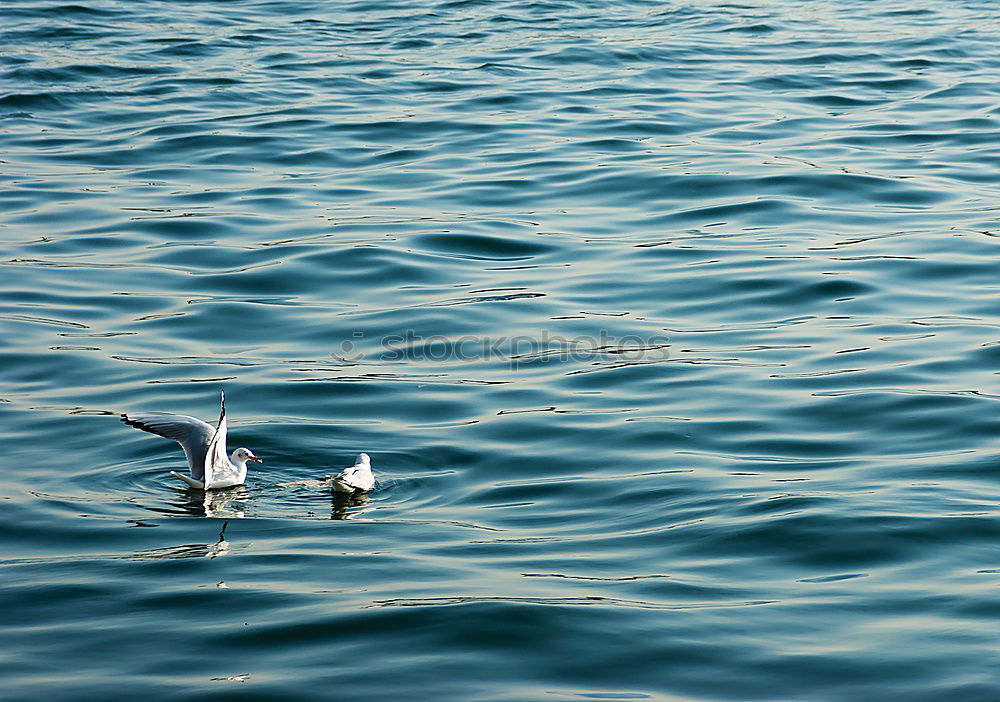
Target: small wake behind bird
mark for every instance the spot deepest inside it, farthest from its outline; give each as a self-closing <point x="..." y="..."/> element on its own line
<point x="204" y="445"/>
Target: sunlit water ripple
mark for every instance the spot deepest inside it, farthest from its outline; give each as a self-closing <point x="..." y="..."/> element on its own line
<point x="672" y="329"/>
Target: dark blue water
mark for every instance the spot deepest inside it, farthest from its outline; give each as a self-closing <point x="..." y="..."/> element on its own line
<point x="673" y="330"/>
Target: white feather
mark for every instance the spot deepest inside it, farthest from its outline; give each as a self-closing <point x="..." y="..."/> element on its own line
<point x="358" y="477"/>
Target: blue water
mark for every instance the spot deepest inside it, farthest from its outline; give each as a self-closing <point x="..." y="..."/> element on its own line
<point x="673" y="330"/>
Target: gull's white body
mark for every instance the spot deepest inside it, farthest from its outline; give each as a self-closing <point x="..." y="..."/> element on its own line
<point x="204" y="445"/>
<point x="357" y="478"/>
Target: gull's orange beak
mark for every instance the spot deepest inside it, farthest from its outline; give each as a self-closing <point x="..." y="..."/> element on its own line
<point x="254" y="458"/>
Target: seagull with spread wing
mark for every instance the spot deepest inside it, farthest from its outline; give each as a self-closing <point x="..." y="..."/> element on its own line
<point x="204" y="445"/>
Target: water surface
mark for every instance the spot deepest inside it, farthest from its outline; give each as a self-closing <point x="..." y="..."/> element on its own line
<point x="672" y="329"/>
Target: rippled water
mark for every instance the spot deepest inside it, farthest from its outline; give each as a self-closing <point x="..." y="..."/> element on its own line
<point x="673" y="330"/>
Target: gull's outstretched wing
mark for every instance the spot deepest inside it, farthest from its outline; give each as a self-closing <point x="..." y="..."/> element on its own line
<point x="217" y="464"/>
<point x="192" y="434"/>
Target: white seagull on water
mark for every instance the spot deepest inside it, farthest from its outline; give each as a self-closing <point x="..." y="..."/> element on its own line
<point x="357" y="478"/>
<point x="203" y="444"/>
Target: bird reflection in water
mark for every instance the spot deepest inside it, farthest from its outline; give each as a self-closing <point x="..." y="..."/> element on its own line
<point x="223" y="504"/>
<point x="343" y="505"/>
<point x="348" y="505"/>
<point x="219" y="548"/>
<point x="227" y="504"/>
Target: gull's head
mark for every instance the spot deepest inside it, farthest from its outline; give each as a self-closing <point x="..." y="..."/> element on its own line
<point x="242" y="455"/>
<point x="364" y="459"/>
